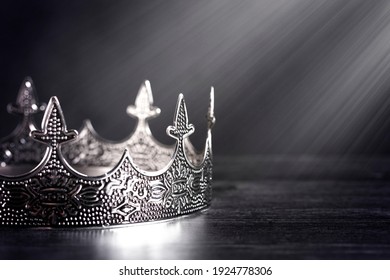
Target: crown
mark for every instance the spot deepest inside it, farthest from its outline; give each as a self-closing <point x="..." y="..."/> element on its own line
<point x="58" y="177"/>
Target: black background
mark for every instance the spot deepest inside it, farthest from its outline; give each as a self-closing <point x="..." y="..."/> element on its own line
<point x="291" y="77"/>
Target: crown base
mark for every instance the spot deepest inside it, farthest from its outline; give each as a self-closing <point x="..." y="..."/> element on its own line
<point x="100" y="223"/>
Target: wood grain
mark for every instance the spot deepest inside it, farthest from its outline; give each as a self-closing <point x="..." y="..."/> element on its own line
<point x="249" y="219"/>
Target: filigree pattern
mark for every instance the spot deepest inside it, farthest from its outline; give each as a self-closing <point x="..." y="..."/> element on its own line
<point x="53" y="196"/>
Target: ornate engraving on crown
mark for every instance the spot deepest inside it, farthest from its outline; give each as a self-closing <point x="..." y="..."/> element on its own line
<point x="54" y="196"/>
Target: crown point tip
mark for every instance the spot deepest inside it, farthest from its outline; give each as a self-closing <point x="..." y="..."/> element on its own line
<point x="146" y="85"/>
<point x="28" y="81"/>
<point x="212" y="91"/>
<point x="27" y="87"/>
<point x="54" y="99"/>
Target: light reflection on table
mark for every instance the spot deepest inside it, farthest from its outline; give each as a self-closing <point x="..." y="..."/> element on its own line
<point x="172" y="239"/>
<point x="151" y="241"/>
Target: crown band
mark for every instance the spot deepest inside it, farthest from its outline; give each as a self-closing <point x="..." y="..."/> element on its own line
<point x="54" y="193"/>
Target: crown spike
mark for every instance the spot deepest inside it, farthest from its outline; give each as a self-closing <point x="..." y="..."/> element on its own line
<point x="54" y="129"/>
<point x="210" y="113"/>
<point x="26" y="101"/>
<point x="143" y="108"/>
<point x="181" y="128"/>
<point x="149" y="96"/>
<point x="18" y="147"/>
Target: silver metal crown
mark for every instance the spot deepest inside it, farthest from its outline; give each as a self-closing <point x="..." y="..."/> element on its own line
<point x="141" y="179"/>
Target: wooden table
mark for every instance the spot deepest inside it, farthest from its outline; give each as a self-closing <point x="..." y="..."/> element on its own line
<point x="304" y="209"/>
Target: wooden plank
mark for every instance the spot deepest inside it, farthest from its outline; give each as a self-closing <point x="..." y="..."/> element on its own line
<point x="263" y="219"/>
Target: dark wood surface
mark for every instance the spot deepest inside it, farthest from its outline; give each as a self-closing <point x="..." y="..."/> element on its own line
<point x="316" y="215"/>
